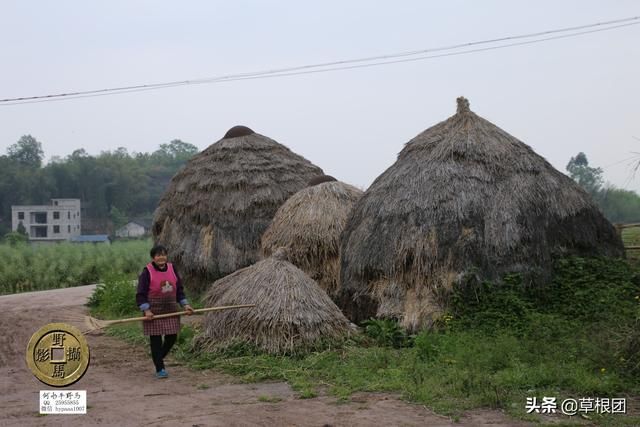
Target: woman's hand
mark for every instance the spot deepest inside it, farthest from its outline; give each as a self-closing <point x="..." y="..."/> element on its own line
<point x="148" y="314"/>
<point x="188" y="309"/>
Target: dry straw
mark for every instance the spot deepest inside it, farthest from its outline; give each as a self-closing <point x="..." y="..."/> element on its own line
<point x="216" y="208"/>
<point x="291" y="314"/>
<point x="463" y="200"/>
<point x="309" y="224"/>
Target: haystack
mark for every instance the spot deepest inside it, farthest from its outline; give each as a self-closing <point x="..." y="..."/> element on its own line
<point x="218" y="205"/>
<point x="309" y="224"/>
<point x="464" y="200"/>
<point x="292" y="314"/>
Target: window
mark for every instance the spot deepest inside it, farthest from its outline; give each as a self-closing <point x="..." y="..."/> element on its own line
<point x="68" y="214"/>
<point x="39" y="231"/>
<point x="39" y="217"/>
<point x="55" y="202"/>
<point x="20" y="215"/>
<point x="56" y="229"/>
<point x="56" y="215"/>
<point x="68" y="229"/>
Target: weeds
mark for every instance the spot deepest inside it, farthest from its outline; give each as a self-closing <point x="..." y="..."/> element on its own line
<point x="115" y="298"/>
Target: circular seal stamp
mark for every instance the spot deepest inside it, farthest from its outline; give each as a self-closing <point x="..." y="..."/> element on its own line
<point x="58" y="354"/>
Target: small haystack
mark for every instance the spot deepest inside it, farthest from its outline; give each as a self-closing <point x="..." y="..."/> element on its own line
<point x="292" y="313"/>
<point x="309" y="224"/>
<point x="216" y="207"/>
<point x="465" y="201"/>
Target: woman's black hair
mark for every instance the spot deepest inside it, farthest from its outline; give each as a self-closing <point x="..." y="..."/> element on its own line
<point x="158" y="250"/>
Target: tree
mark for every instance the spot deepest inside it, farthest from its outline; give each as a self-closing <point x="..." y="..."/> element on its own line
<point x="587" y="177"/>
<point x="619" y="205"/>
<point x="117" y="217"/>
<point x="79" y="154"/>
<point x="20" y="229"/>
<point x="177" y="149"/>
<point x="27" y="152"/>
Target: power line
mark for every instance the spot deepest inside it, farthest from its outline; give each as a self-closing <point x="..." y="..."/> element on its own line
<point x="408" y="56"/>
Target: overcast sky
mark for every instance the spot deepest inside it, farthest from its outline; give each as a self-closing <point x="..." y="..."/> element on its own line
<point x="560" y="97"/>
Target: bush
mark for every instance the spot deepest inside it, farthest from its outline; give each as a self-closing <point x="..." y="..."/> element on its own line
<point x="386" y="333"/>
<point x="114" y="298"/>
<point x="14" y="238"/>
<point x="492" y="307"/>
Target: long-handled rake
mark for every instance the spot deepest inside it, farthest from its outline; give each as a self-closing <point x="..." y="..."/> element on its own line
<point x="94" y="324"/>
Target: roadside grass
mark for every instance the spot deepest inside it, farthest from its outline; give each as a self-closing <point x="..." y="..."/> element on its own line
<point x="577" y="338"/>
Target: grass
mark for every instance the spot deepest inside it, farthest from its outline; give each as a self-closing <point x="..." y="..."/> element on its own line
<point x="28" y="268"/>
<point x="577" y="338"/>
<point x="269" y="399"/>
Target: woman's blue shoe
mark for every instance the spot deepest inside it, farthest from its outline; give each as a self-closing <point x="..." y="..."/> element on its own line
<point x="162" y="374"/>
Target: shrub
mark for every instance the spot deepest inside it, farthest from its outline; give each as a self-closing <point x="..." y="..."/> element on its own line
<point x="386" y="333"/>
<point x="114" y="298"/>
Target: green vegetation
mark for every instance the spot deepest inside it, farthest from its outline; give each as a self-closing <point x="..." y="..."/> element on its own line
<point x="269" y="399"/>
<point x="631" y="237"/>
<point x="114" y="186"/>
<point x="617" y="204"/>
<point x="114" y="298"/>
<point x="38" y="267"/>
<point x="577" y="337"/>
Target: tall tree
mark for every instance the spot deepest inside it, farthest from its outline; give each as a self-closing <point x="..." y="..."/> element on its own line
<point x="588" y="177"/>
<point x="27" y="151"/>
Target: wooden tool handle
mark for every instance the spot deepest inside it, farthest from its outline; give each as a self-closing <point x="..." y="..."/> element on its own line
<point x="181" y="313"/>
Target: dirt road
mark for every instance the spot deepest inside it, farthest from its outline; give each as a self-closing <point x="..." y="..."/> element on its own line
<point x="122" y="391"/>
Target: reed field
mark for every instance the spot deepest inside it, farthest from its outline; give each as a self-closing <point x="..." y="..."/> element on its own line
<point x="631" y="237"/>
<point x="26" y="268"/>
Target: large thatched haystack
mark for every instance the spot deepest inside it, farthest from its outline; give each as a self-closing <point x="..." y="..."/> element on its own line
<point x="216" y="208"/>
<point x="309" y="224"/>
<point x="463" y="200"/>
<point x="292" y="314"/>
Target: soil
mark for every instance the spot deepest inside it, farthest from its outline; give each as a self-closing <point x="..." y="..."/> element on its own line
<point x="122" y="390"/>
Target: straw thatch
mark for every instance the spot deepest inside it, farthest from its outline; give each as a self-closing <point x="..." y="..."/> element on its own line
<point x="216" y="208"/>
<point x="292" y="314"/>
<point x="320" y="179"/>
<point x="309" y="224"/>
<point x="464" y="201"/>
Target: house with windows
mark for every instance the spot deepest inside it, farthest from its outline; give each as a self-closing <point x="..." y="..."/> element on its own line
<point x="57" y="221"/>
<point x="135" y="228"/>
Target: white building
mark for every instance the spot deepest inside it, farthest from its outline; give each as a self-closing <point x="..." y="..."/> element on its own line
<point x="132" y="229"/>
<point x="57" y="221"/>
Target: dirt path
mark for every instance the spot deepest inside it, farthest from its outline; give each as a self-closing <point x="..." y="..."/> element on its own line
<point x="122" y="391"/>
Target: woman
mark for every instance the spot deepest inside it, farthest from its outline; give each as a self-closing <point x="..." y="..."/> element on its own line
<point x="159" y="291"/>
